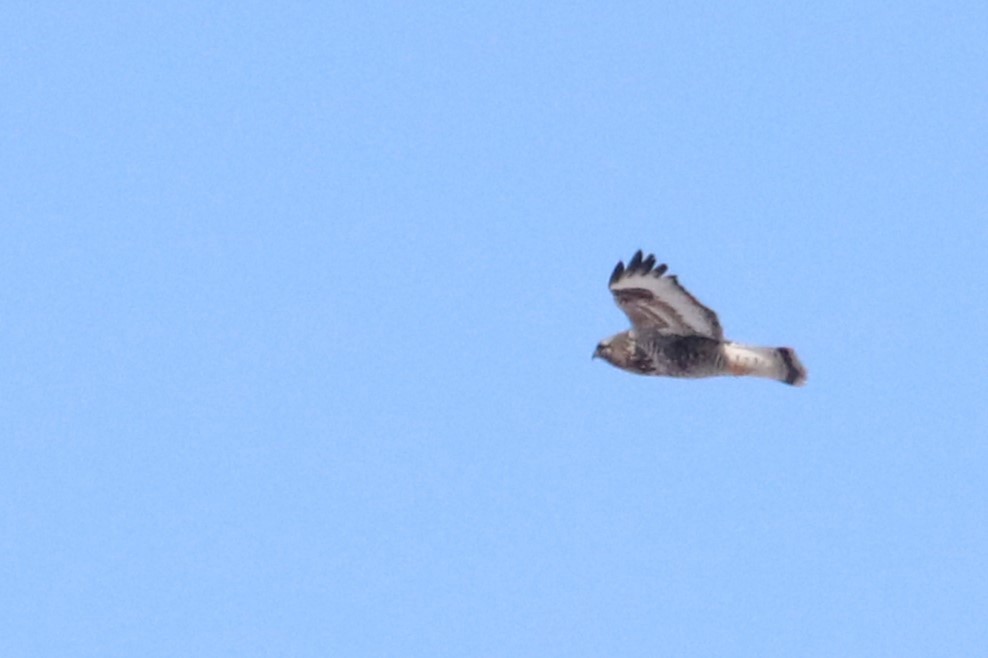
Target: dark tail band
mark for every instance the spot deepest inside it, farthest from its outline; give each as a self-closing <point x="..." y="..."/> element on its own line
<point x="795" y="372"/>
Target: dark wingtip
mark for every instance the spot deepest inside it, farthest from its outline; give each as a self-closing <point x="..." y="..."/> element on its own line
<point x="635" y="261"/>
<point x="639" y="264"/>
<point x="616" y="274"/>
<point x="648" y="264"/>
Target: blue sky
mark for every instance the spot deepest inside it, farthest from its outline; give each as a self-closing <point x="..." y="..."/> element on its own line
<point x="299" y="301"/>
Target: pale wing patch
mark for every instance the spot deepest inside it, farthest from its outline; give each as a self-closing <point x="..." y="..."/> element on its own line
<point x="652" y="299"/>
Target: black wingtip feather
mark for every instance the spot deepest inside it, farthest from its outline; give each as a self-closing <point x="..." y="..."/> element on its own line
<point x="648" y="264"/>
<point x="635" y="261"/>
<point x="639" y="264"/>
<point x="616" y="274"/>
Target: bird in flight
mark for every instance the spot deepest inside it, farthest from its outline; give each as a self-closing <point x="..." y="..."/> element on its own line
<point x="674" y="335"/>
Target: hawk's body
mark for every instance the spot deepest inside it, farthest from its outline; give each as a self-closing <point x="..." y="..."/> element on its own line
<point x="675" y="335"/>
<point x="656" y="353"/>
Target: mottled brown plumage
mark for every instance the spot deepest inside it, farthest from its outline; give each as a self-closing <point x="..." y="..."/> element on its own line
<point x="674" y="335"/>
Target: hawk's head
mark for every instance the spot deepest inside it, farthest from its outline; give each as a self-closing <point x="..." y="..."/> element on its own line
<point x="616" y="350"/>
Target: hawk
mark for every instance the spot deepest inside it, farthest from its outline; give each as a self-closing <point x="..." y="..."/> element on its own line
<point x="674" y="335"/>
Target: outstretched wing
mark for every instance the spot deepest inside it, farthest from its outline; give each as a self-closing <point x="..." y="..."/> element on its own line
<point x="654" y="301"/>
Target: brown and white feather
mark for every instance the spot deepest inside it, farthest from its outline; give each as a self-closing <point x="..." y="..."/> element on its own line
<point x="654" y="300"/>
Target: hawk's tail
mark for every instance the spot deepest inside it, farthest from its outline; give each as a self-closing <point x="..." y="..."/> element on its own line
<point x="780" y="363"/>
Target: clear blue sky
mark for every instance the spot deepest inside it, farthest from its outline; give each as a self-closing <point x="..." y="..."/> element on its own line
<point x="298" y="302"/>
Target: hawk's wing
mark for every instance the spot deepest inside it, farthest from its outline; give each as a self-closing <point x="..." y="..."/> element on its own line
<point x="654" y="301"/>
